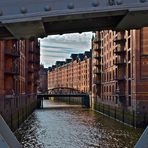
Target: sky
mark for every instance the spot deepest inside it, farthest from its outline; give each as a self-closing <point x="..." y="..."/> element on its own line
<point x="59" y="47"/>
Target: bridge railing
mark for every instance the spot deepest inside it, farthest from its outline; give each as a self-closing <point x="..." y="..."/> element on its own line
<point x="65" y="94"/>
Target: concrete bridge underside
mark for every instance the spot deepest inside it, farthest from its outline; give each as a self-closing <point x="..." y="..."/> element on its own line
<point x="39" y="18"/>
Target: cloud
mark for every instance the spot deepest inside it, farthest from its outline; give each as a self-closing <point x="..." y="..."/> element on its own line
<point x="56" y="49"/>
<point x="60" y="47"/>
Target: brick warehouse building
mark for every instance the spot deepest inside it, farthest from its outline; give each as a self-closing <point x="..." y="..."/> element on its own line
<point x="72" y="73"/>
<point x="120" y="75"/>
<point x="19" y="66"/>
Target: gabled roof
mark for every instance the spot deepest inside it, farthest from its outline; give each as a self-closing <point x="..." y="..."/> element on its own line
<point x="49" y="69"/>
<point x="74" y="56"/>
<point x="60" y="63"/>
<point x="81" y="56"/>
<point x="88" y="54"/>
<point x="68" y="61"/>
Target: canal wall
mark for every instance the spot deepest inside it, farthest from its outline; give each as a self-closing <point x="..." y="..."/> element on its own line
<point x="122" y="115"/>
<point x="84" y="101"/>
<point x="16" y="111"/>
<point x="69" y="100"/>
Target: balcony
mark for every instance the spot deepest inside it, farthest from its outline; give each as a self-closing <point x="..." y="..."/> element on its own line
<point x="97" y="64"/>
<point x="120" y="39"/>
<point x="120" y="78"/>
<point x="9" y="96"/>
<point x="120" y="62"/>
<point x="98" y="57"/>
<point x="117" y="92"/>
<point x="97" y="40"/>
<point x="12" y="71"/>
<point x="120" y="51"/>
<point x="13" y="53"/>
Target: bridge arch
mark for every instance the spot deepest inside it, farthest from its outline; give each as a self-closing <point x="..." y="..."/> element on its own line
<point x="65" y="90"/>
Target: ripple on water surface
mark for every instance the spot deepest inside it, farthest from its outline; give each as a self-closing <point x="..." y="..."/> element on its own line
<point x="74" y="128"/>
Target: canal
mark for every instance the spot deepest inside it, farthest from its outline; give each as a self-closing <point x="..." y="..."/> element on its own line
<point x="74" y="128"/>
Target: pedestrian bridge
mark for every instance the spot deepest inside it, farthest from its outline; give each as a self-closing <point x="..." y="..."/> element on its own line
<point x="64" y="92"/>
<point x="39" y="18"/>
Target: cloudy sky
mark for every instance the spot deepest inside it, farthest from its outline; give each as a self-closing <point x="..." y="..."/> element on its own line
<point x="59" y="47"/>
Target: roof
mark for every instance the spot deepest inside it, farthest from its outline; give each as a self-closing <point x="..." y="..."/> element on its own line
<point x="74" y="56"/>
<point x="68" y="61"/>
<point x="60" y="63"/>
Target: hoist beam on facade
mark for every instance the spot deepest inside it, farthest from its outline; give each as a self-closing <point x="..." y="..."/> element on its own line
<point x="39" y="18"/>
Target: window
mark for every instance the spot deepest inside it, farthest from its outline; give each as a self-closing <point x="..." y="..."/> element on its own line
<point x="129" y="87"/>
<point x="129" y="70"/>
<point x="129" y="101"/>
<point x="113" y="74"/>
<point x="129" y="55"/>
<point x="128" y="32"/>
<point x="110" y="76"/>
<point x="116" y="72"/>
<point x="129" y="43"/>
<point x="116" y="85"/>
<point x="110" y="35"/>
<point x="110" y="45"/>
<point x="113" y="88"/>
<point x="116" y="100"/>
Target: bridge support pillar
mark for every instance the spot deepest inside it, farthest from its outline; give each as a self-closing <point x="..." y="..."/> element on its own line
<point x="85" y="101"/>
<point x="39" y="102"/>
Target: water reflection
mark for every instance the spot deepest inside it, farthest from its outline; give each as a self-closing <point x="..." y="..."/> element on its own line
<point x="74" y="128"/>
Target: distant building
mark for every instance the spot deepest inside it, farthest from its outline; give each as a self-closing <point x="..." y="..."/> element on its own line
<point x="73" y="73"/>
<point x="43" y="79"/>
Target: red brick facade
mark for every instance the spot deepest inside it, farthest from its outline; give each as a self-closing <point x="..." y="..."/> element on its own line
<point x="19" y="66"/>
<point x="117" y="76"/>
<point x="123" y="74"/>
<point x="73" y="74"/>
